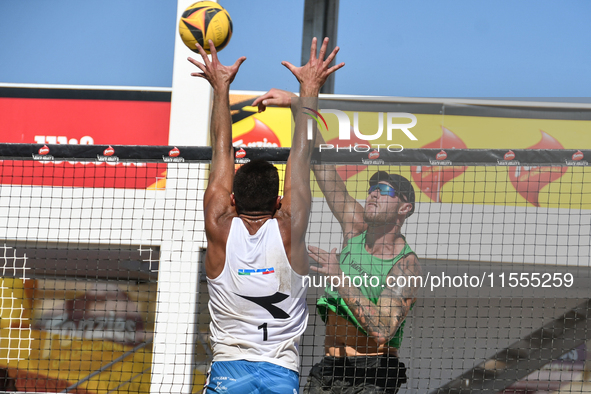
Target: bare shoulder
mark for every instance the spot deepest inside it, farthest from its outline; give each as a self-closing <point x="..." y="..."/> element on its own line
<point x="219" y="212"/>
<point x="407" y="265"/>
<point x="218" y="220"/>
<point x="404" y="280"/>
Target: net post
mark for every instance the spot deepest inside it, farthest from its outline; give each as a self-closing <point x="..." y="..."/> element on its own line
<point x="174" y="339"/>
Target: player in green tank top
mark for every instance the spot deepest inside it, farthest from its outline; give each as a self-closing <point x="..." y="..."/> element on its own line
<point x="356" y="262"/>
<point x="363" y="324"/>
<point x="365" y="313"/>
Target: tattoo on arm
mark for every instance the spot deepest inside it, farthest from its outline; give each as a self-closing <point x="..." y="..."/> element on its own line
<point x="382" y="320"/>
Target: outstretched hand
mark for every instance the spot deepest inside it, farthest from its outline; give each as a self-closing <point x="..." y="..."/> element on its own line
<point x="213" y="71"/>
<point x="328" y="263"/>
<point x="276" y="97"/>
<point x="313" y="74"/>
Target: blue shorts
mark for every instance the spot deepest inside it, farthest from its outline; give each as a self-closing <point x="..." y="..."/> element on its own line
<point x="249" y="377"/>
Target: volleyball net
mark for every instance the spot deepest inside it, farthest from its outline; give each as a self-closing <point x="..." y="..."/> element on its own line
<point x="103" y="289"/>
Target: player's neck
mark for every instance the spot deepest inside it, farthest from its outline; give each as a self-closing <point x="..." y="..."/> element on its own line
<point x="384" y="240"/>
<point x="255" y="220"/>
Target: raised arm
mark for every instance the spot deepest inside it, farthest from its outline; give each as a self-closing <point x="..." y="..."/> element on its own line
<point x="297" y="196"/>
<point x="222" y="160"/>
<point x="381" y="320"/>
<point x="343" y="206"/>
<point x="217" y="199"/>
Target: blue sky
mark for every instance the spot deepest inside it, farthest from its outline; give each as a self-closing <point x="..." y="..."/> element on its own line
<point x="425" y="48"/>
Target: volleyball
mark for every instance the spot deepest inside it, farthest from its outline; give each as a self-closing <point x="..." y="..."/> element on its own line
<point x="204" y="21"/>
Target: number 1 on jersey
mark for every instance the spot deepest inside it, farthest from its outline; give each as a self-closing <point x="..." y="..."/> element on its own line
<point x="264" y="327"/>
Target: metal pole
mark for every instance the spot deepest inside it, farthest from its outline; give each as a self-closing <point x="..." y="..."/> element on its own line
<point x="320" y="20"/>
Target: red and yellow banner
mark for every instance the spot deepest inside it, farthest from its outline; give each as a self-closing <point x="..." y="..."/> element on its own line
<point x="86" y="122"/>
<point x="542" y="186"/>
<point x="135" y="122"/>
<point x="52" y="338"/>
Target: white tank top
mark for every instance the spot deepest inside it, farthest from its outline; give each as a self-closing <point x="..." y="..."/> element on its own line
<point x="258" y="303"/>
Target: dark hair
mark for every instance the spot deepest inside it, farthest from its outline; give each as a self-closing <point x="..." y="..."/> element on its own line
<point x="256" y="187"/>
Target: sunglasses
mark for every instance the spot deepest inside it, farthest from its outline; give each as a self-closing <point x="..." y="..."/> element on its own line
<point x="385" y="190"/>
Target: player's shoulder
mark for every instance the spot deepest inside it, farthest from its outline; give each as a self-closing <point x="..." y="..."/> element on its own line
<point x="218" y="220"/>
<point x="217" y="202"/>
<point x="409" y="263"/>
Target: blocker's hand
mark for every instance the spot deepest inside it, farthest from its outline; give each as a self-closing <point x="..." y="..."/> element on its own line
<point x="328" y="262"/>
<point x="213" y="71"/>
<point x="314" y="73"/>
<point x="276" y="97"/>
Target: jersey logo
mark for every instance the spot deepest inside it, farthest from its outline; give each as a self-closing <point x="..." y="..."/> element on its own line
<point x="344" y="257"/>
<point x="353" y="263"/>
<point x="267" y="303"/>
<point x="260" y="271"/>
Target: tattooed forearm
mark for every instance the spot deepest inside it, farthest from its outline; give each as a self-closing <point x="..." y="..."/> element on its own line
<point x="382" y="320"/>
<point x="378" y="323"/>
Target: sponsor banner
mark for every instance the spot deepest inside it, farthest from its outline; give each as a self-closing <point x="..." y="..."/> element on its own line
<point x="104" y="312"/>
<point x="44" y="116"/>
<point x="252" y="130"/>
<point x="439" y="174"/>
<point x="54" y="332"/>
<point x="40" y="361"/>
<point x="110" y="122"/>
<point x="16" y="304"/>
<point x="106" y="171"/>
<point x="58" y="117"/>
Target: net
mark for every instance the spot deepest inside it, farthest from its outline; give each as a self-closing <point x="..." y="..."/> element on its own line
<point x="102" y="290"/>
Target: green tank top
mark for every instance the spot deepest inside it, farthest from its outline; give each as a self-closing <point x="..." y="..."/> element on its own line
<point x="355" y="261"/>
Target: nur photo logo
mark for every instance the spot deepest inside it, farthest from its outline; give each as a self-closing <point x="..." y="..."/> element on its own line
<point x="387" y="121"/>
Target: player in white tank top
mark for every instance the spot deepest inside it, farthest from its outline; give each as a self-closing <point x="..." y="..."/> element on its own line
<point x="256" y="254"/>
<point x="258" y="303"/>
